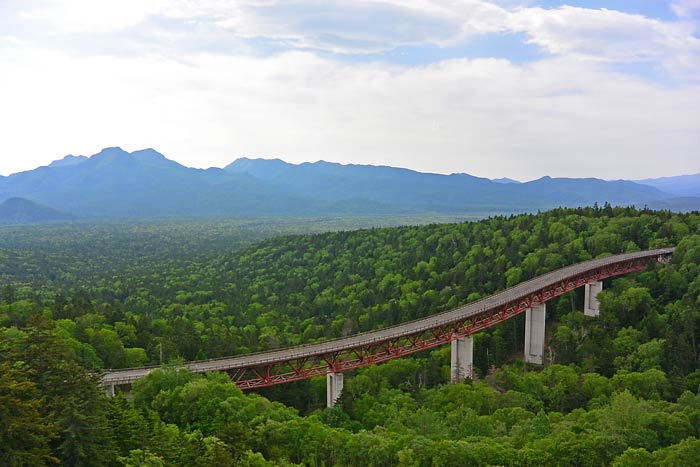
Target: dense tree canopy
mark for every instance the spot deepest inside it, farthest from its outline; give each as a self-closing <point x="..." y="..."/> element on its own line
<point x="621" y="389"/>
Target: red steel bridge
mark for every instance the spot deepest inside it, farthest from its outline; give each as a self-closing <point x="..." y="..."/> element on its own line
<point x="335" y="356"/>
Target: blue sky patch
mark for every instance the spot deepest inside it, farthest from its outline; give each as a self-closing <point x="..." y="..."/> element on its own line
<point x="504" y="46"/>
<point x="649" y="8"/>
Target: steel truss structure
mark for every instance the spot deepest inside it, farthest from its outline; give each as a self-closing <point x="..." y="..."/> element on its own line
<point x="295" y="369"/>
<point x="337" y="356"/>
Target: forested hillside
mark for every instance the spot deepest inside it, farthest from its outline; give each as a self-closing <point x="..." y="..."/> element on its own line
<point x="621" y="389"/>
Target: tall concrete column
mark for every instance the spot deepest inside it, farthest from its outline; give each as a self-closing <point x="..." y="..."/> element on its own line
<point x="534" y="334"/>
<point x="590" y="300"/>
<point x="334" y="386"/>
<point x="462" y="361"/>
<point x="109" y="389"/>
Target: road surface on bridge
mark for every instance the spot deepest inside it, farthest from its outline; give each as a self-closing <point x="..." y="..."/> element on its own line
<point x="305" y="361"/>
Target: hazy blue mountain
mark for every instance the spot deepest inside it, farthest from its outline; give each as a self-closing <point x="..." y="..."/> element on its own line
<point x="264" y="169"/>
<point x="681" y="204"/>
<point x="582" y="191"/>
<point x="403" y="187"/>
<point x="24" y="211"/>
<point x="681" y="186"/>
<point x="68" y="160"/>
<point x="115" y="183"/>
<point x="505" y="180"/>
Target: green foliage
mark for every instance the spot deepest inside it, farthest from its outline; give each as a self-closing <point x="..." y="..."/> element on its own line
<point x="621" y="389"/>
<point x="63" y="407"/>
<point x="139" y="458"/>
<point x="25" y="433"/>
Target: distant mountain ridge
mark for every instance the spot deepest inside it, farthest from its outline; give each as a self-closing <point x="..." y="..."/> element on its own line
<point x="24" y="211"/>
<point x="682" y="185"/>
<point x="68" y="160"/>
<point x="441" y="192"/>
<point x="117" y="184"/>
<point x="505" y="180"/>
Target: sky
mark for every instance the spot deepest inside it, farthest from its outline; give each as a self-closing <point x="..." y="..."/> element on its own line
<point x="497" y="88"/>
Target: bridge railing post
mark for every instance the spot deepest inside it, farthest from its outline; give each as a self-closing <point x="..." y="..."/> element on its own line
<point x="534" y="334"/>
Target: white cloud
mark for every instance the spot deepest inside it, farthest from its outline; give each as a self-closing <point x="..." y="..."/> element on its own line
<point x="90" y="16"/>
<point x="603" y="34"/>
<point x="365" y="26"/>
<point x="487" y="117"/>
<point x="569" y="114"/>
<point x="685" y="8"/>
<point x="369" y="26"/>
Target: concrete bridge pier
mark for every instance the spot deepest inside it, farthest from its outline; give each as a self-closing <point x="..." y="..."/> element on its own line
<point x="590" y="301"/>
<point x="462" y="361"/>
<point x="534" y="334"/>
<point x="109" y="389"/>
<point x="334" y="386"/>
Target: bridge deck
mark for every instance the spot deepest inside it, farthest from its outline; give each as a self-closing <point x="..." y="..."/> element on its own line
<point x="508" y="296"/>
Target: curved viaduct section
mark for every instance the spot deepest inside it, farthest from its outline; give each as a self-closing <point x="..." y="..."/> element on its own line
<point x="334" y="357"/>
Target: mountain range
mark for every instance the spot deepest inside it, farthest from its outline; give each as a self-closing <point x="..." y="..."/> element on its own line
<point x="682" y="185"/>
<point x="118" y="184"/>
<point x="24" y="211"/>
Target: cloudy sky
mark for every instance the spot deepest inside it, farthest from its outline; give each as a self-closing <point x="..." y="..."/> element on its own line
<point x="494" y="88"/>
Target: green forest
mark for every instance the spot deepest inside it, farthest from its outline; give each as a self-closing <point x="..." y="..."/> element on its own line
<point x="621" y="389"/>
